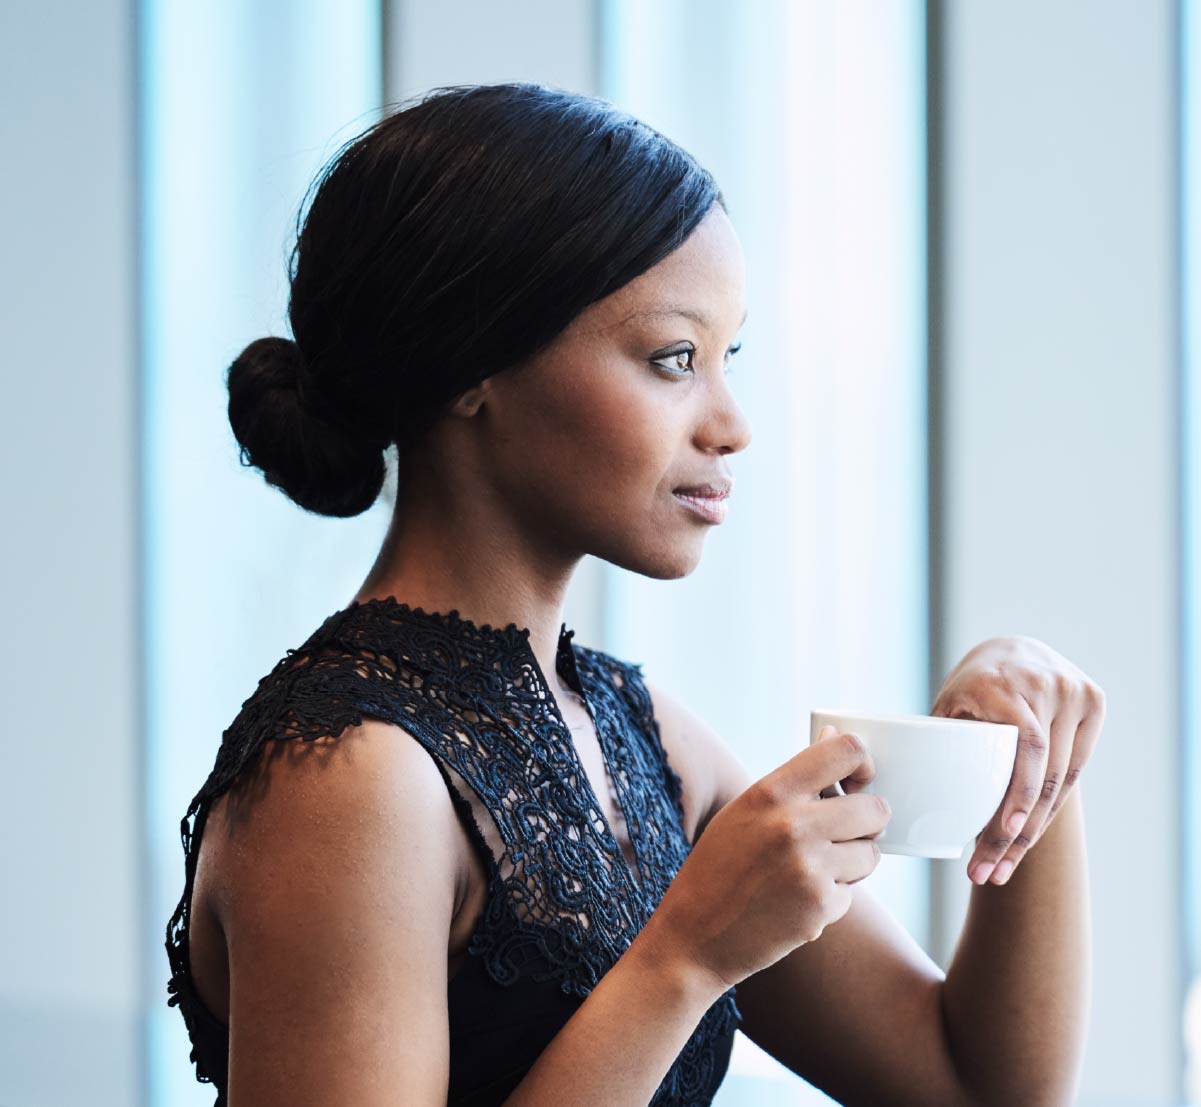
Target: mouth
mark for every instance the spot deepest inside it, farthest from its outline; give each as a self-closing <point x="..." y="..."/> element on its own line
<point x="706" y="501"/>
<point x="718" y="491"/>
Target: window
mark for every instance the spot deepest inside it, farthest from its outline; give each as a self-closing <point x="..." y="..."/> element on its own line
<point x="814" y="591"/>
<point x="240" y="105"/>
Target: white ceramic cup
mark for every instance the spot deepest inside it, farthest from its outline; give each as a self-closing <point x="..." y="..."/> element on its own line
<point x="943" y="778"/>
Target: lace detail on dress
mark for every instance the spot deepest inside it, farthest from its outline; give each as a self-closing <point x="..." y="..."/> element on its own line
<point x="563" y="904"/>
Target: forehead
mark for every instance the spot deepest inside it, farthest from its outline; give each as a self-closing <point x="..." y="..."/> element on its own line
<point x="665" y="311"/>
<point x="702" y="280"/>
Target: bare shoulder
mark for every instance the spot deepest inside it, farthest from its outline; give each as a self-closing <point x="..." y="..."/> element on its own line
<point x="367" y="789"/>
<point x="338" y="882"/>
<point x="714" y="772"/>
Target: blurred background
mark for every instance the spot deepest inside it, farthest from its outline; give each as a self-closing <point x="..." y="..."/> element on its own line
<point x="973" y="242"/>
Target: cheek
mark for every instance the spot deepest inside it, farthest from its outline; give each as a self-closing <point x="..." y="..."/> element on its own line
<point x="596" y="464"/>
<point x="614" y="442"/>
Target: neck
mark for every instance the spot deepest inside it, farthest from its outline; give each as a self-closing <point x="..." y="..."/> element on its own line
<point x="475" y="559"/>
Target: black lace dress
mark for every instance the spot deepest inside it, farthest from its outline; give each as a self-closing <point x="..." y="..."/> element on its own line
<point x="540" y="945"/>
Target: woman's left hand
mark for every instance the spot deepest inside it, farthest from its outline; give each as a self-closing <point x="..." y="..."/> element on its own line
<point x="1058" y="711"/>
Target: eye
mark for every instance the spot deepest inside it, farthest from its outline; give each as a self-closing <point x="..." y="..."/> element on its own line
<point x="729" y="354"/>
<point x="679" y="370"/>
<point x="687" y="354"/>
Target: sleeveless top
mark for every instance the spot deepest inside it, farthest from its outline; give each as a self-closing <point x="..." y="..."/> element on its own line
<point x="562" y="901"/>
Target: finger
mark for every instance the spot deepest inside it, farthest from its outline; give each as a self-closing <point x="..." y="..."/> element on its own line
<point x="851" y="861"/>
<point x="1063" y="735"/>
<point x="863" y="773"/>
<point x="818" y="766"/>
<point x="1025" y="782"/>
<point x="827" y="732"/>
<point x="856" y="782"/>
<point x="845" y="818"/>
<point x="1082" y="749"/>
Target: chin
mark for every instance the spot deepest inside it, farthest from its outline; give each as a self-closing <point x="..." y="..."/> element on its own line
<point x="659" y="562"/>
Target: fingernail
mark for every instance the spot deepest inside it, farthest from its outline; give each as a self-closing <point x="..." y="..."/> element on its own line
<point x="981" y="871"/>
<point x="1016" y="821"/>
<point x="1002" y="871"/>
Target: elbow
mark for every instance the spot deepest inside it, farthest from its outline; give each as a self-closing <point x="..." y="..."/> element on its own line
<point x="1028" y="1097"/>
<point x="1017" y="1086"/>
<point x="1031" y="1085"/>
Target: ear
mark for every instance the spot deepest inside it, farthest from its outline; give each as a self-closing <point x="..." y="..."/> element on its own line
<point x="468" y="402"/>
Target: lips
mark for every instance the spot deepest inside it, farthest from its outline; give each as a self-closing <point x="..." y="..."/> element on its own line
<point x="705" y="501"/>
<point x="718" y="491"/>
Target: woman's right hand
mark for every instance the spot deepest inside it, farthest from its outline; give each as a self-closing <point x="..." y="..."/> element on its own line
<point x="774" y="867"/>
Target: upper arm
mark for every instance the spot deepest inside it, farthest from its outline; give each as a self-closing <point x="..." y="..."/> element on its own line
<point x="858" y="1013"/>
<point x="339" y="896"/>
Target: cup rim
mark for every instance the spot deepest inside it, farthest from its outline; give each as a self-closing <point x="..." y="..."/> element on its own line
<point x="919" y="720"/>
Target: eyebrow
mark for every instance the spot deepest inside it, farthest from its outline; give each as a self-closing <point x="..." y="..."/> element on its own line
<point x="679" y="309"/>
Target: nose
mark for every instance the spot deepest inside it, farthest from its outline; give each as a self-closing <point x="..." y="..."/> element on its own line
<point x="726" y="427"/>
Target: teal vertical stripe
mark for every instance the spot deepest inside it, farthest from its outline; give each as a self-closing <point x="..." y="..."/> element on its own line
<point x="239" y="106"/>
<point x="1190" y="481"/>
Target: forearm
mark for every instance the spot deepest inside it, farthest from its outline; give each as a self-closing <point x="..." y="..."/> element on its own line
<point x="1017" y="991"/>
<point x="619" y="1044"/>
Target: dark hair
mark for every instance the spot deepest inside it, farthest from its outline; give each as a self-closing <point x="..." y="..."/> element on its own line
<point x="450" y="240"/>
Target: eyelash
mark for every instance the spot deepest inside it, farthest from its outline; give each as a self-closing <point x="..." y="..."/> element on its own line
<point x="692" y="350"/>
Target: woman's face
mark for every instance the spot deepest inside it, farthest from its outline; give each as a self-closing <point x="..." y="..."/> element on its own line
<point x="589" y="442"/>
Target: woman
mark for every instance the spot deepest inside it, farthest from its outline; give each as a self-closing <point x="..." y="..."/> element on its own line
<point x="479" y="876"/>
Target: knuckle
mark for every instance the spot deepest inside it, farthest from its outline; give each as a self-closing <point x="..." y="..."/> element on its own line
<point x="998" y="843"/>
<point x="810" y="892"/>
<point x="1050" y="786"/>
<point x="883" y="807"/>
<point x="764" y="791"/>
<point x="854" y="744"/>
<point x="803" y="874"/>
<point x="766" y="795"/>
<point x="1035" y="745"/>
<point x="1006" y="679"/>
<point x="787" y="832"/>
<point x="825" y="901"/>
<point x="797" y="831"/>
<point x="1041" y="681"/>
<point x="1028" y="793"/>
<point x="1071" y="777"/>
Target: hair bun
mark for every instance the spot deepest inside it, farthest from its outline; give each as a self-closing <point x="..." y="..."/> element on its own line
<point x="279" y="358"/>
<point x="317" y="464"/>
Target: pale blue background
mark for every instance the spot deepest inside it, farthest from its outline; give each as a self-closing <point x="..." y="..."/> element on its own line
<point x="971" y="420"/>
